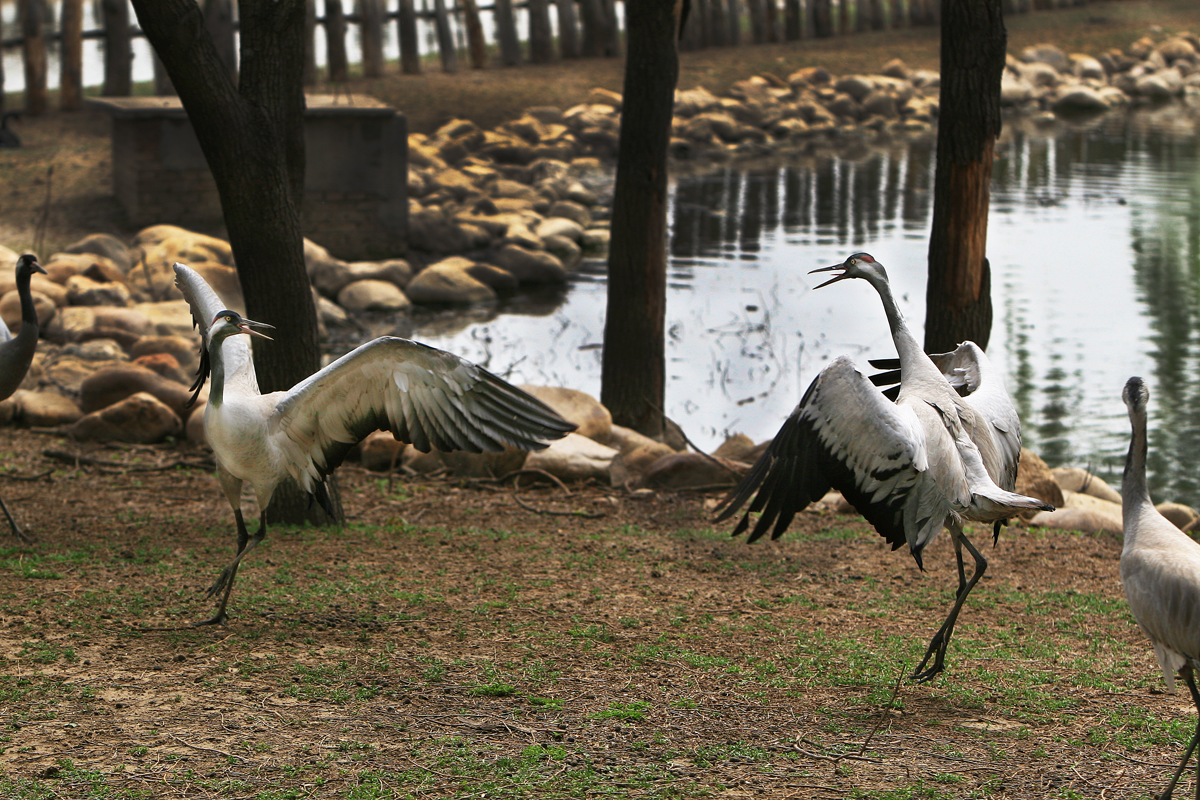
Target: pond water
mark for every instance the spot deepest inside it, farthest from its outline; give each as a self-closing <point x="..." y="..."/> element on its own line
<point x="1094" y="243"/>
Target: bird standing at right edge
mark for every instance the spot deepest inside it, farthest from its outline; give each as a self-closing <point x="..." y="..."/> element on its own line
<point x="16" y="354"/>
<point x="1160" y="569"/>
<point x="930" y="459"/>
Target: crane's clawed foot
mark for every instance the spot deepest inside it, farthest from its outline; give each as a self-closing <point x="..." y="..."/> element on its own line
<point x="220" y="582"/>
<point x="937" y="650"/>
<point x="216" y="619"/>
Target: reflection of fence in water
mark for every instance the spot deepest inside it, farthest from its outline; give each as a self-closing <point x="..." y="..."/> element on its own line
<point x="828" y="201"/>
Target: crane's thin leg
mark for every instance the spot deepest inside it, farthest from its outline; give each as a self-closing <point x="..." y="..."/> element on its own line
<point x="246" y="543"/>
<point x="1186" y="674"/>
<point x="20" y="534"/>
<point x="941" y="639"/>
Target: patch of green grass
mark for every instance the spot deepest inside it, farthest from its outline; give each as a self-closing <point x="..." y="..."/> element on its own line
<point x="493" y="690"/>
<point x="547" y="703"/>
<point x="634" y="711"/>
<point x="43" y="652"/>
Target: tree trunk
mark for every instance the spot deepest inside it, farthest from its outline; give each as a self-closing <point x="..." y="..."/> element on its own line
<point x="633" y="376"/>
<point x="252" y="135"/>
<point x="958" y="294"/>
<point x="218" y="19"/>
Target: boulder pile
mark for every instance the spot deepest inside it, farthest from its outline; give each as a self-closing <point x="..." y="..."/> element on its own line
<point x="1046" y="80"/>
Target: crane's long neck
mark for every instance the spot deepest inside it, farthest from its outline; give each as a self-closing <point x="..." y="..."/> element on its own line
<point x="912" y="356"/>
<point x="216" y="371"/>
<point x="1135" y="494"/>
<point x="29" y="317"/>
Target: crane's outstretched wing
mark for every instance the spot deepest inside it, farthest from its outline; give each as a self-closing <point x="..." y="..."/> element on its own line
<point x="845" y="435"/>
<point x="205" y="305"/>
<point x="424" y="396"/>
<point x="5" y="333"/>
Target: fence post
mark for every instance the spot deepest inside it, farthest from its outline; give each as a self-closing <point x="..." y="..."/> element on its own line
<point x="335" y="40"/>
<point x="879" y="20"/>
<point x="734" y="18"/>
<point x="35" y="56"/>
<point x="406" y="28"/>
<point x="70" y="94"/>
<point x="822" y="18"/>
<point x="758" y="21"/>
<point x="445" y="37"/>
<point x="899" y="15"/>
<point x="370" y="27"/>
<point x="612" y="44"/>
<point x="717" y="26"/>
<point x="476" y="43"/>
<point x="118" y="58"/>
<point x="568" y="29"/>
<point x="773" y="34"/>
<point x="218" y="19"/>
<point x="506" y="32"/>
<point x="793" y="27"/>
<point x="541" y="46"/>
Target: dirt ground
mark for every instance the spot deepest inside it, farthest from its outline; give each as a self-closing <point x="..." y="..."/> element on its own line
<point x="58" y="187"/>
<point x="468" y="640"/>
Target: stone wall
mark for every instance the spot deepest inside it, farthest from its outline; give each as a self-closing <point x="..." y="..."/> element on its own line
<point x="355" y="200"/>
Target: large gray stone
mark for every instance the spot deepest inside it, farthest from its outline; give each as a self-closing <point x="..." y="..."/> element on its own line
<point x="560" y="226"/>
<point x="104" y="244"/>
<point x="1046" y="54"/>
<point x="574" y="458"/>
<point x="45" y="409"/>
<point x="372" y="295"/>
<point x="528" y="266"/>
<point x="1082" y="99"/>
<point x="448" y="282"/>
<point x="592" y="419"/>
<point x="139" y="419"/>
<point x="83" y="291"/>
<point x="113" y="384"/>
<point x="431" y="230"/>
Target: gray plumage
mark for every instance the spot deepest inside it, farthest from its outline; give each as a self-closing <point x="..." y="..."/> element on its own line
<point x="1160" y="570"/>
<point x="425" y="396"/>
<point x="932" y="458"/>
<point x="16" y="352"/>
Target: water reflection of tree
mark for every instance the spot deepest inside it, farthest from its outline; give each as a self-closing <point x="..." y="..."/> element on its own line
<point x="1166" y="239"/>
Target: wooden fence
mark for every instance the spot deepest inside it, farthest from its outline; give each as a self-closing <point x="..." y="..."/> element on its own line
<point x="539" y="31"/>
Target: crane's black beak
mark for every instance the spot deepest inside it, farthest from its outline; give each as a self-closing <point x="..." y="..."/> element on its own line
<point x="841" y="277"/>
<point x="250" y="327"/>
<point x="38" y="268"/>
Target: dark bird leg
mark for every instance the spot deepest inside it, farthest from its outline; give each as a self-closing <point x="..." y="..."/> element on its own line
<point x="941" y="639"/>
<point x="1186" y="674"/>
<point x="246" y="543"/>
<point x="20" y="534"/>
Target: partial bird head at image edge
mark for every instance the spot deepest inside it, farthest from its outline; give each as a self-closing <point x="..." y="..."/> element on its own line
<point x="1160" y="570"/>
<point x="426" y="397"/>
<point x="941" y="454"/>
